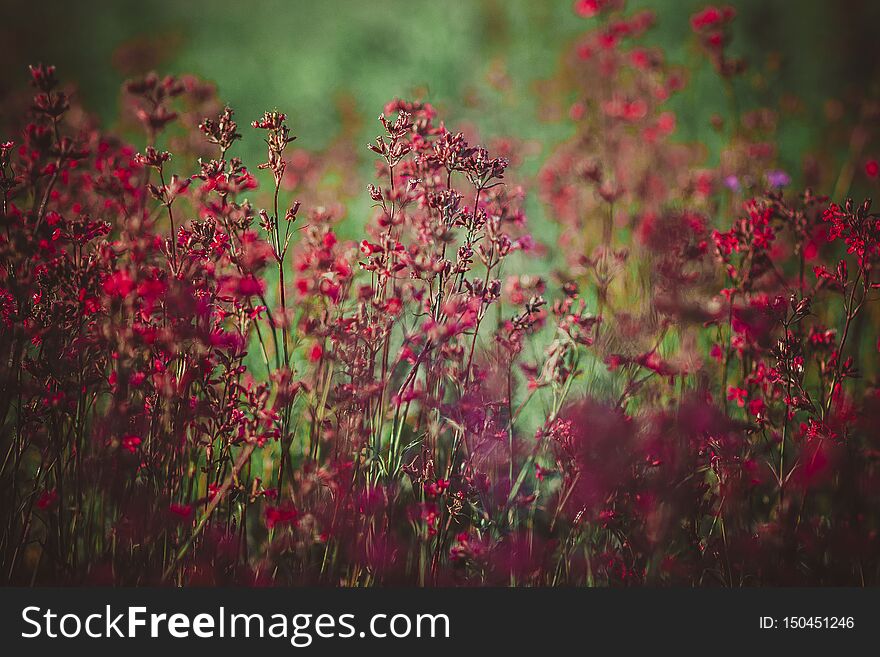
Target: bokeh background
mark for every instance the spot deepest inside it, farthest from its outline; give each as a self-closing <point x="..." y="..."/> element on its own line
<point x="331" y="66"/>
<point x="475" y="59"/>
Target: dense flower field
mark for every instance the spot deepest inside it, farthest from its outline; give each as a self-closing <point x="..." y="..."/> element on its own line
<point x="202" y="383"/>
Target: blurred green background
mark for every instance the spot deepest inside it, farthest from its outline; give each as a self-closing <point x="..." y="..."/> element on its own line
<point x="477" y="60"/>
<point x="302" y="56"/>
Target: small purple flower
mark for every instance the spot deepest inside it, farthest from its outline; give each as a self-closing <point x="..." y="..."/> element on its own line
<point x="732" y="183"/>
<point x="777" y="178"/>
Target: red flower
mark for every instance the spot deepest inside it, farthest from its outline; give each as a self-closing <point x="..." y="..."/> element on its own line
<point x="711" y="17"/>
<point x="757" y="407"/>
<point x="130" y="443"/>
<point x="181" y="510"/>
<point x="119" y="284"/>
<point x="47" y="499"/>
<point x="315" y="353"/>
<point x="280" y="516"/>
<point x="393" y="306"/>
<point x="737" y="394"/>
<point x="587" y="8"/>
<point x="369" y="248"/>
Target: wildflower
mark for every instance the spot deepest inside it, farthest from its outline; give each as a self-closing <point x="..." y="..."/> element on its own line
<point x="737" y="394"/>
<point x="778" y="178"/>
<point x="587" y="8"/>
<point x="47" y="499"/>
<point x="316" y="353"/>
<point x="276" y="516"/>
<point x="180" y="510"/>
<point x="395" y="399"/>
<point x="130" y="443"/>
<point x="756" y="406"/>
<point x="119" y="284"/>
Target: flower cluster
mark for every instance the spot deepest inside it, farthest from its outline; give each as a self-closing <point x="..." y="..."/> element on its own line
<point x="203" y="382"/>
